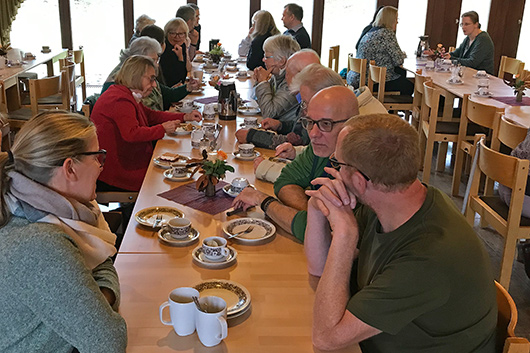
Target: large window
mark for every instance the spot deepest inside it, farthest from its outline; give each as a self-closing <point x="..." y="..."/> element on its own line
<point x="97" y="26"/>
<point x="482" y="7"/>
<point x="275" y="7"/>
<point x="343" y="24"/>
<point x="161" y="10"/>
<point x="226" y="21"/>
<point x="32" y="29"/>
<point x="411" y="24"/>
<point x="523" y="49"/>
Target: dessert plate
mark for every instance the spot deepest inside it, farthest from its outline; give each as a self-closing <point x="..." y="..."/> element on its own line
<point x="236" y="296"/>
<point x="263" y="230"/>
<point x="147" y="216"/>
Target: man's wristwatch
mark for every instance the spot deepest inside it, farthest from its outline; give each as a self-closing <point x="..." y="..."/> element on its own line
<point x="266" y="203"/>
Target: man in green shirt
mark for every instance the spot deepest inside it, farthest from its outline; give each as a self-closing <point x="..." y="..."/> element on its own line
<point x="326" y="113"/>
<point x="421" y="279"/>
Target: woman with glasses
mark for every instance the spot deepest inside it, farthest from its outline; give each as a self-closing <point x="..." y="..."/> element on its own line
<point x="263" y="27"/>
<point x="161" y="96"/>
<point x="58" y="286"/>
<point x="127" y="129"/>
<point x="477" y="49"/>
<point x="174" y="61"/>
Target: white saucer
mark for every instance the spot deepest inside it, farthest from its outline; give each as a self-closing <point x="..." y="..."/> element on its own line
<point x="168" y="175"/>
<point x="200" y="260"/>
<point x="455" y="83"/>
<point x="251" y="158"/>
<point x="165" y="237"/>
<point x="243" y="126"/>
<point x="478" y="95"/>
<point x="245" y="110"/>
<point x="228" y="190"/>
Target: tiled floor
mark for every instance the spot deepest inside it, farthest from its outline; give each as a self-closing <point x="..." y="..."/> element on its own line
<point x="520" y="283"/>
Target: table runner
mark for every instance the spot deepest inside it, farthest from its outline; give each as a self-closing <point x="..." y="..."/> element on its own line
<point x="510" y="100"/>
<point x="188" y="195"/>
<point x="207" y="100"/>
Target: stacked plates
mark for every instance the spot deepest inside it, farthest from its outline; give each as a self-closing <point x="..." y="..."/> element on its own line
<point x="236" y="296"/>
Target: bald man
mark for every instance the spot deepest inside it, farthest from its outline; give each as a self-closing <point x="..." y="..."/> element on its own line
<point x="327" y="111"/>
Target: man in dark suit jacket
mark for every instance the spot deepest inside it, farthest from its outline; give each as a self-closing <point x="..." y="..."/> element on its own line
<point x="292" y="20"/>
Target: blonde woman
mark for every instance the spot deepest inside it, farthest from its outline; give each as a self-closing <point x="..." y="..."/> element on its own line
<point x="174" y="61"/>
<point x="127" y="129"/>
<point x="263" y="27"/>
<point x="380" y="44"/>
<point x="58" y="286"/>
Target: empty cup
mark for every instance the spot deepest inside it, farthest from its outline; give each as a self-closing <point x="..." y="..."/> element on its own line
<point x="179" y="228"/>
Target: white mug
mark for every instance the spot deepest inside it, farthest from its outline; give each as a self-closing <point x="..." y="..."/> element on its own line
<point x="246" y="150"/>
<point x="181" y="310"/>
<point x="197" y="74"/>
<point x="211" y="326"/>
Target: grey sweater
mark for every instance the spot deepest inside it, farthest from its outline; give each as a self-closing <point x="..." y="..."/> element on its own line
<point x="479" y="55"/>
<point x="49" y="300"/>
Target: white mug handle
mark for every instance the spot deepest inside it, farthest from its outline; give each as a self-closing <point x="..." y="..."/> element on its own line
<point x="224" y="328"/>
<point x="225" y="252"/>
<point x="167" y="323"/>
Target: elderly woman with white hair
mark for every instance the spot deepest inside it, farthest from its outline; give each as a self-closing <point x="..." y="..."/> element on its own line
<point x="162" y="96"/>
<point x="175" y="60"/>
<point x="141" y="23"/>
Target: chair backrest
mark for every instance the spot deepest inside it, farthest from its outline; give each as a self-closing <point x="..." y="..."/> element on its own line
<point x="45" y="87"/>
<point x="481" y="114"/>
<point x="510" y="133"/>
<point x="431" y="95"/>
<point x="69" y="84"/>
<point x="377" y="74"/>
<point x="507" y="315"/>
<point x="359" y="66"/>
<point x="511" y="66"/>
<point x="334" y="55"/>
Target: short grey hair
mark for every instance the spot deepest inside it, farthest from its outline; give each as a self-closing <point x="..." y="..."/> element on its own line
<point x="316" y="77"/>
<point x="141" y="46"/>
<point x="281" y="46"/>
<point x="186" y="12"/>
<point x="143" y="21"/>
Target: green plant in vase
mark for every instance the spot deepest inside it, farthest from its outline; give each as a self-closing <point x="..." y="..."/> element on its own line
<point x="217" y="53"/>
<point x="212" y="172"/>
<point x="519" y="84"/>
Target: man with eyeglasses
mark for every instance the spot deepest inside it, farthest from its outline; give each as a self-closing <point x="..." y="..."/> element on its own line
<point x="187" y="13"/>
<point x="403" y="272"/>
<point x="326" y="113"/>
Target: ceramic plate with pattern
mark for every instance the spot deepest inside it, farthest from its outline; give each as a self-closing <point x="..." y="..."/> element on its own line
<point x="147" y="216"/>
<point x="262" y="230"/>
<point x="245" y="158"/>
<point x="201" y="260"/>
<point x="236" y="296"/>
<point x="164" y="235"/>
<point x="168" y="174"/>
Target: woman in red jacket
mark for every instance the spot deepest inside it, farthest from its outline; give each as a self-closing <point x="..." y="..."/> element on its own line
<point x="127" y="129"/>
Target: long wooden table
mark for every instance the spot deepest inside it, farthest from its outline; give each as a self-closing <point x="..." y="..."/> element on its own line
<point x="518" y="114"/>
<point x="275" y="273"/>
<point x="9" y="89"/>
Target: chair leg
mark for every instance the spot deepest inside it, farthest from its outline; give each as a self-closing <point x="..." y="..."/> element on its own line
<point x="508" y="256"/>
<point x="440" y="159"/>
<point x="427" y="161"/>
<point x="457" y="172"/>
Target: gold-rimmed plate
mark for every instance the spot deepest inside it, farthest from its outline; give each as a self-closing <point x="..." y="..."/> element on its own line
<point x="147" y="216"/>
<point x="236" y="296"/>
<point x="261" y="232"/>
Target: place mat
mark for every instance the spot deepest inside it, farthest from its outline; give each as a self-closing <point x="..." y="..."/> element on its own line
<point x="207" y="100"/>
<point x="510" y="100"/>
<point x="188" y="195"/>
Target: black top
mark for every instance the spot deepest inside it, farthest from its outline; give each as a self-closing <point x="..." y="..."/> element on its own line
<point x="173" y="70"/>
<point x="255" y="54"/>
<point x="198" y="29"/>
<point x="301" y="36"/>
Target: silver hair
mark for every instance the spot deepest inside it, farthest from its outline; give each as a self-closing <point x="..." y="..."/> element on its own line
<point x="141" y="46"/>
<point x="143" y="21"/>
<point x="316" y="77"/>
<point x="281" y="46"/>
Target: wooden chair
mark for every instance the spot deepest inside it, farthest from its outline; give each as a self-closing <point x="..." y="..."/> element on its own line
<point x="506" y="341"/>
<point x="105" y="197"/>
<point x="80" y="80"/>
<point x="6" y="134"/>
<point x="511" y="66"/>
<point x="510" y="133"/>
<point x="417" y="100"/>
<point x="432" y="130"/>
<point x="69" y="85"/>
<point x="480" y="114"/>
<point x="334" y="56"/>
<point x="391" y="100"/>
<point x="359" y="66"/>
<point x="511" y="172"/>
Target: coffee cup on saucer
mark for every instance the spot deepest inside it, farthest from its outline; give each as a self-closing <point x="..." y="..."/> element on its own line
<point x="179" y="227"/>
<point x="179" y="170"/>
<point x="481" y="74"/>
<point x="45" y="49"/>
<point x="246" y="150"/>
<point x="209" y="128"/>
<point x="242" y="73"/>
<point x="187" y="107"/>
<point x="209" y="112"/>
<point x="250" y="121"/>
<point x="238" y="184"/>
<point x="214" y="248"/>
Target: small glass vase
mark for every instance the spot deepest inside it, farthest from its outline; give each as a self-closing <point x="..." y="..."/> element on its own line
<point x="519" y="95"/>
<point x="210" y="190"/>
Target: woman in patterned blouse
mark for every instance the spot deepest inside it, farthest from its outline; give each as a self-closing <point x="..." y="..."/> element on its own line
<point x="380" y="44"/>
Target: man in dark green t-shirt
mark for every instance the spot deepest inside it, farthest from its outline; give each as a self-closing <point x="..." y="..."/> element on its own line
<point x="421" y="279"/>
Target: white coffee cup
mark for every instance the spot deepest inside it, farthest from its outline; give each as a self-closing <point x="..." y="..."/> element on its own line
<point x="196" y="137"/>
<point x="238" y="184"/>
<point x="179" y="228"/>
<point x="187" y="107"/>
<point x="211" y="326"/>
<point x="182" y="310"/>
<point x="214" y="248"/>
<point x="208" y="127"/>
<point x="246" y="150"/>
<point x="179" y="169"/>
<point x="197" y="74"/>
<point x="209" y="112"/>
<point x="250" y="121"/>
<point x="242" y="73"/>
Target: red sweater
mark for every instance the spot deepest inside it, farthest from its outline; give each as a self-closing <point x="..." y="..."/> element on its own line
<point x="127" y="129"/>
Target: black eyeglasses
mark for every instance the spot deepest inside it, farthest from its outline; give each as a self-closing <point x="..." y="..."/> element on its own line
<point x="101" y="155"/>
<point x="335" y="164"/>
<point x="324" y="125"/>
